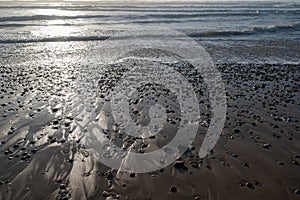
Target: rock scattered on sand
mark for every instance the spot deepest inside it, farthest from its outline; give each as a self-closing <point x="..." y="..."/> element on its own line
<point x="63" y="186"/>
<point x="173" y="189"/>
<point x="106" y="193"/>
<point x="249" y="185"/>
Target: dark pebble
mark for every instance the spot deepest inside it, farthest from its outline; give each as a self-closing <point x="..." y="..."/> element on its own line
<point x="267" y="146"/>
<point x="280" y="163"/>
<point x="246" y="164"/>
<point x="63" y="186"/>
<point x="34" y="150"/>
<point x="179" y="164"/>
<point x="257" y="183"/>
<point x="236" y="130"/>
<point x="106" y="194"/>
<point x="173" y="189"/>
<point x="249" y="185"/>
<point x="295" y="162"/>
<point x="234" y="155"/>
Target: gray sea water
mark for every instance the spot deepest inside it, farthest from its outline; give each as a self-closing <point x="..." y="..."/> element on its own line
<point x="231" y="32"/>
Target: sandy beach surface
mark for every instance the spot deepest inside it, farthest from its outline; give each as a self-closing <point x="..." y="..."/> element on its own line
<point x="43" y="117"/>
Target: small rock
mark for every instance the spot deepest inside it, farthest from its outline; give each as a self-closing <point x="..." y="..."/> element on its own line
<point x="267" y="146"/>
<point x="63" y="186"/>
<point x="257" y="183"/>
<point x="246" y="164"/>
<point x="295" y="162"/>
<point x="249" y="185"/>
<point x="106" y="194"/>
<point x="179" y="164"/>
<point x="173" y="189"/>
<point x="236" y="130"/>
<point x="34" y="150"/>
<point x="54" y="110"/>
<point x="234" y="155"/>
<point x="280" y="163"/>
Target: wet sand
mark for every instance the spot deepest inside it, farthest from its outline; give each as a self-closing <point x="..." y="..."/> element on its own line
<point x="45" y="111"/>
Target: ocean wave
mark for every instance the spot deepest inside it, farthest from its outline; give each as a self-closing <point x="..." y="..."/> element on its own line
<point x="149" y="15"/>
<point x="48" y="17"/>
<point x="55" y="39"/>
<point x="249" y="31"/>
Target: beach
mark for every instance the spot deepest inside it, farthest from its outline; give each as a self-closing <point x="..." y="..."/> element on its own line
<point x="55" y="89"/>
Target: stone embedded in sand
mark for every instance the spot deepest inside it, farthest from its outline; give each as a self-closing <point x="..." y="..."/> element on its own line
<point x="173" y="189"/>
<point x="257" y="183"/>
<point x="234" y="155"/>
<point x="32" y="142"/>
<point x="197" y="198"/>
<point x="179" y="164"/>
<point x="106" y="194"/>
<point x="152" y="137"/>
<point x="280" y="163"/>
<point x="295" y="162"/>
<point x="245" y="164"/>
<point x="62" y="141"/>
<point x="34" y="150"/>
<point x="249" y="185"/>
<point x="266" y="146"/>
<point x="54" y="110"/>
<point x="236" y="130"/>
<point x="297" y="191"/>
<point x="63" y="186"/>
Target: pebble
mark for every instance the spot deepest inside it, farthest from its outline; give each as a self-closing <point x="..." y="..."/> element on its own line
<point x="179" y="164"/>
<point x="257" y="183"/>
<point x="246" y="164"/>
<point x="173" y="189"/>
<point x="63" y="186"/>
<point x="234" y="155"/>
<point x="295" y="162"/>
<point x="106" y="194"/>
<point x="249" y="185"/>
<point x="236" y="130"/>
<point x="266" y="146"/>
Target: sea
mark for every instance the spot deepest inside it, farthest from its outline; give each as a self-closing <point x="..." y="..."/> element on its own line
<point x="231" y="32"/>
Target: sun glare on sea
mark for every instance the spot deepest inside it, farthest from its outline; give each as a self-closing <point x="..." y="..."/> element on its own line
<point x="56" y="12"/>
<point x="55" y="31"/>
<point x="53" y="27"/>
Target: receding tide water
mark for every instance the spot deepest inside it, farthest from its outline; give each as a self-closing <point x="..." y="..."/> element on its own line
<point x="54" y="85"/>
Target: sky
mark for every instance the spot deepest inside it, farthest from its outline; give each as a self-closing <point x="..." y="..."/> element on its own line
<point x="153" y="0"/>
